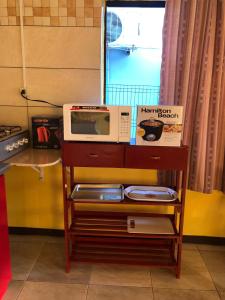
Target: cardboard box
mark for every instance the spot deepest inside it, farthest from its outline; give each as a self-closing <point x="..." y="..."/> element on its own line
<point x="46" y="132"/>
<point x="159" y="125"/>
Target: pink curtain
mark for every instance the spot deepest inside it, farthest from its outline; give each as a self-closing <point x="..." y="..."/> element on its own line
<point x="193" y="75"/>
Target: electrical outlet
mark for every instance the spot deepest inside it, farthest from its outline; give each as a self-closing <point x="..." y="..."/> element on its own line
<point x="23" y="92"/>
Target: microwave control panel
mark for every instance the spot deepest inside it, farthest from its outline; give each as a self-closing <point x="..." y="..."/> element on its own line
<point x="124" y="123"/>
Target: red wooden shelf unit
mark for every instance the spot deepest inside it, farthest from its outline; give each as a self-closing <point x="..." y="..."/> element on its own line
<point x="102" y="236"/>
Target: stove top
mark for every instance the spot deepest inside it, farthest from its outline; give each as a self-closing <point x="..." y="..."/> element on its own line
<point x="13" y="139"/>
<point x="6" y="131"/>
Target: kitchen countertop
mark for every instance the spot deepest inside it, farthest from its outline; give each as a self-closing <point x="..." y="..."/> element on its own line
<point x="35" y="157"/>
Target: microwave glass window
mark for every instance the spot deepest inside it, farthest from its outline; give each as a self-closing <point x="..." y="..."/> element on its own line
<point x="90" y="123"/>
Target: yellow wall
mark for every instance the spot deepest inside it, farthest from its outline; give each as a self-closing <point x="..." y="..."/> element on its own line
<point x="38" y="204"/>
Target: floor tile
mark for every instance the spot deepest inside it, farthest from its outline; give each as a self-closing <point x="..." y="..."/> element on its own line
<point x="219" y="280"/>
<point x="100" y="292"/>
<point x="214" y="260"/>
<point x="162" y="278"/>
<point x="55" y="239"/>
<point x="172" y="294"/>
<point x="122" y="275"/>
<point x="206" y="247"/>
<point x="26" y="238"/>
<point x="222" y="295"/>
<point x="53" y="291"/>
<point x="35" y="238"/>
<point x="23" y="257"/>
<point x="51" y="267"/>
<point x="192" y="262"/>
<point x="189" y="246"/>
<point x="13" y="290"/>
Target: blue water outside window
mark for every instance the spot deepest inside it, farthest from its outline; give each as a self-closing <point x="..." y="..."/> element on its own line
<point x="133" y="49"/>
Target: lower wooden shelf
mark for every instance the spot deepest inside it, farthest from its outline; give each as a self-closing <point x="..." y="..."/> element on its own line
<point x="114" y="251"/>
<point x="99" y="237"/>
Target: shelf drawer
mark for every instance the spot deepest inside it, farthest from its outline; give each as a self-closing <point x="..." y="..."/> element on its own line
<point x="93" y="155"/>
<point x="156" y="157"/>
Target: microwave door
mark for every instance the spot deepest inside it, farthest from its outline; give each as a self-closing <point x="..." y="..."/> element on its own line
<point x="93" y="125"/>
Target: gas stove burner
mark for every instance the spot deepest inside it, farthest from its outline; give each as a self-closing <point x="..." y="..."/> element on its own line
<point x="9" y="130"/>
<point x="13" y="139"/>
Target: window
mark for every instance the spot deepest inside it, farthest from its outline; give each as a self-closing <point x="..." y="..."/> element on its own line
<point x="132" y="53"/>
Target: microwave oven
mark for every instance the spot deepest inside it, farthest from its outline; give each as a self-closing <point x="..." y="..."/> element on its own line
<point x="99" y="123"/>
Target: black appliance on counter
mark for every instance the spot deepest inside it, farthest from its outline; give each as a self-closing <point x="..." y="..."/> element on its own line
<point x="46" y="132"/>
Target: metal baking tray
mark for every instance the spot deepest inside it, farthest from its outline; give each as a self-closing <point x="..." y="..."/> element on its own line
<point x="150" y="193"/>
<point x="98" y="192"/>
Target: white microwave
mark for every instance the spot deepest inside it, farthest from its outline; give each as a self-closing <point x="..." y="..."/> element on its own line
<point x="100" y="123"/>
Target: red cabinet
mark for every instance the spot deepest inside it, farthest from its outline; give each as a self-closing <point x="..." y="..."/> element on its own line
<point x="5" y="270"/>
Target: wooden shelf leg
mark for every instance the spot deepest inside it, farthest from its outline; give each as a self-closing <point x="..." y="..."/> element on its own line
<point x="178" y="268"/>
<point x="67" y="253"/>
<point x="66" y="220"/>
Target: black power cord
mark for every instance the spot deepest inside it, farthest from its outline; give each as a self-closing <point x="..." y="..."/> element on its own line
<point x="23" y="94"/>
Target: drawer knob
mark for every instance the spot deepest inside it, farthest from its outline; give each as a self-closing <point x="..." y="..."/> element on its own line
<point x="155" y="157"/>
<point x="93" y="155"/>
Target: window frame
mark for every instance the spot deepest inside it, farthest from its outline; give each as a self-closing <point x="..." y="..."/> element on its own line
<point x="123" y="3"/>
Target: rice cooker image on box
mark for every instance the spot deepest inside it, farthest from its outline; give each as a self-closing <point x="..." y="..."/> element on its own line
<point x="153" y="129"/>
<point x="159" y="125"/>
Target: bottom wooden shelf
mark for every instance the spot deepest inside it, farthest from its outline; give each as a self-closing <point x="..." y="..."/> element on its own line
<point x="126" y="251"/>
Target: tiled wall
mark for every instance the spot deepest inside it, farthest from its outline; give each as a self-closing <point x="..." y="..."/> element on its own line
<point x="62" y="63"/>
<point x="52" y="12"/>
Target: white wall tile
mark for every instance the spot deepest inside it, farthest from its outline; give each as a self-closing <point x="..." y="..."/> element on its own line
<point x="80" y="3"/>
<point x="10" y="84"/>
<point x="62" y="47"/>
<point x="98" y="3"/>
<point x="10" y="49"/>
<point x="10" y="115"/>
<point x="61" y="86"/>
<point x="12" y="20"/>
<point x="3" y="3"/>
